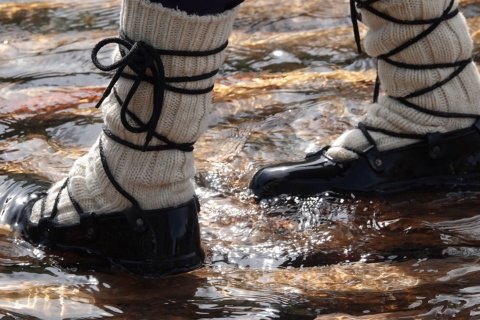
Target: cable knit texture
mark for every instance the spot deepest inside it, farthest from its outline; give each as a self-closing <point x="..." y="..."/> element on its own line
<point x="450" y="42"/>
<point x="157" y="179"/>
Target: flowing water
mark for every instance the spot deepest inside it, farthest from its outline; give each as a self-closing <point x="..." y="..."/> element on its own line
<point x="292" y="82"/>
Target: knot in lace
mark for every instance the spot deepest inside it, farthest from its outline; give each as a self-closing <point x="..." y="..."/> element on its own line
<point x="140" y="57"/>
<point x="146" y="63"/>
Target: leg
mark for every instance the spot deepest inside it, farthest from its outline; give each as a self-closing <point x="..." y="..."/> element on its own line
<point x="131" y="197"/>
<point x="422" y="131"/>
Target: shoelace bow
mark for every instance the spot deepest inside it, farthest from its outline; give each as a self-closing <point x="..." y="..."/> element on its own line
<point x="140" y="58"/>
<point x="458" y="66"/>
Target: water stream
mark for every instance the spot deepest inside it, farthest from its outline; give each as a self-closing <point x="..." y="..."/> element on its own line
<point x="292" y="82"/>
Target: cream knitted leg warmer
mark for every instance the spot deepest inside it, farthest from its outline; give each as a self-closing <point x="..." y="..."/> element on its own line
<point x="156" y="179"/>
<point x="448" y="43"/>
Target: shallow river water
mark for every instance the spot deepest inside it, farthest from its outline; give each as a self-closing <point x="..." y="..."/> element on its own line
<point x="292" y="82"/>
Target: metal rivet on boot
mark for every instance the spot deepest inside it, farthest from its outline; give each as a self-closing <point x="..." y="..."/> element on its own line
<point x="89" y="233"/>
<point x="374" y="158"/>
<point x="135" y="219"/>
<point x="436" y="147"/>
<point x="46" y="230"/>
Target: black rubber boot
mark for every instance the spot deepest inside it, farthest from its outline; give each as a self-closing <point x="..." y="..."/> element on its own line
<point x="447" y="159"/>
<point x="444" y="160"/>
<point x="149" y="243"/>
<point x="154" y="109"/>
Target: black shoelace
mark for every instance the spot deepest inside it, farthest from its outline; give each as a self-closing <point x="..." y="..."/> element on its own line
<point x="141" y="58"/>
<point x="457" y="66"/>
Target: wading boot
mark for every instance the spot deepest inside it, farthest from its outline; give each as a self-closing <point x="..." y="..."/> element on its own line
<point x="131" y="198"/>
<point x="423" y="131"/>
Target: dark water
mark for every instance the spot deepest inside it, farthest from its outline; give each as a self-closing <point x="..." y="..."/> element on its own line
<point x="291" y="83"/>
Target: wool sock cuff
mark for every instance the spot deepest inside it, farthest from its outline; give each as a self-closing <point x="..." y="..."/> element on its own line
<point x="200" y="8"/>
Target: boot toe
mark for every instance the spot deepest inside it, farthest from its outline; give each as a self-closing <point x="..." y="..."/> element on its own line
<point x="16" y="201"/>
<point x="305" y="177"/>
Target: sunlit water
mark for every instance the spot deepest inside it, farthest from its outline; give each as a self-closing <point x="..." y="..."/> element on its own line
<point x="292" y="82"/>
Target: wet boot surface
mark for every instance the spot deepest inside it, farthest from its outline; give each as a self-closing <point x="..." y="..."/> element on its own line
<point x="292" y="82"/>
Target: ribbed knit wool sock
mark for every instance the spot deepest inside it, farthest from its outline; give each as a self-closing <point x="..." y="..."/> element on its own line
<point x="156" y="179"/>
<point x="449" y="42"/>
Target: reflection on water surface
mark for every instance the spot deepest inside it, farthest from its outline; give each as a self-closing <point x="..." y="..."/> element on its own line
<point x="291" y="83"/>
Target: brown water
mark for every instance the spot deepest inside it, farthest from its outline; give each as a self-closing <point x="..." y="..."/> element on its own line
<point x="291" y="83"/>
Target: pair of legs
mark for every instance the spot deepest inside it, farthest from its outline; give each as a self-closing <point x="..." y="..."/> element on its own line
<point x="131" y="197"/>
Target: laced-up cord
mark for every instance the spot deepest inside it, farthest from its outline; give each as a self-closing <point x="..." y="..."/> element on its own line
<point x="458" y="66"/>
<point x="143" y="58"/>
<point x="140" y="58"/>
